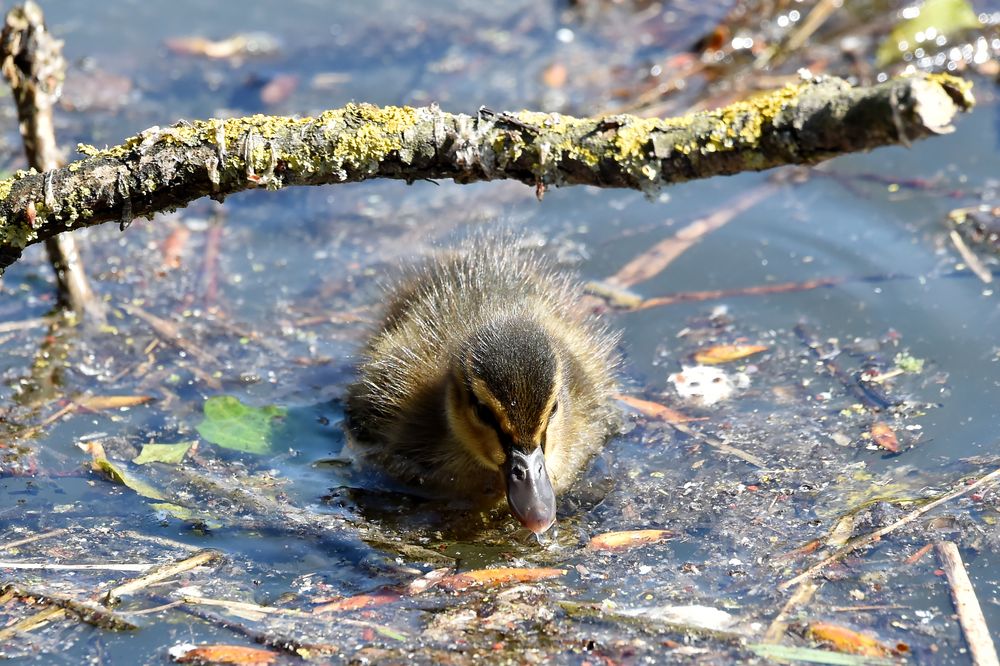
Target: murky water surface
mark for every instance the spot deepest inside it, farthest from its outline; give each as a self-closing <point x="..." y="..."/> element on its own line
<point x="274" y="291"/>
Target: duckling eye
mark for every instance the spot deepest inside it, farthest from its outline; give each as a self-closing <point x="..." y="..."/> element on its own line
<point x="484" y="414"/>
<point x="555" y="408"/>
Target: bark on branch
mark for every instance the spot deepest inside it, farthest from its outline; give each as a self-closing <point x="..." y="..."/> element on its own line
<point x="166" y="168"/>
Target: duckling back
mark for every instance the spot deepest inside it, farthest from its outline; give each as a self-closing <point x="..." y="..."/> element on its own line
<point x="506" y="319"/>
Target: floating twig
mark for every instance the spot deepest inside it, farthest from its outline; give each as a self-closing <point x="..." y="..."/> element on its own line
<point x="24" y="324"/>
<point x="263" y="637"/>
<point x="171" y="333"/>
<point x="48" y="614"/>
<point x="91" y="614"/>
<point x="913" y="559"/>
<point x="969" y="257"/>
<point x="756" y="290"/>
<point x="779" y="625"/>
<point x="621" y="298"/>
<point x="30" y="431"/>
<point x="160" y="541"/>
<point x="871" y="397"/>
<point x="673" y="418"/>
<point x="866" y="539"/>
<point x="160" y="573"/>
<point x="970" y="614"/>
<point x="157" y="609"/>
<point x="246" y="607"/>
<point x="33" y="538"/>
<point x="818" y="15"/>
<point x="50" y="566"/>
<point x="720" y="445"/>
<point x="656" y="410"/>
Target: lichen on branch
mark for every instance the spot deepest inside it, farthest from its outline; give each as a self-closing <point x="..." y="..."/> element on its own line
<point x="166" y="168"/>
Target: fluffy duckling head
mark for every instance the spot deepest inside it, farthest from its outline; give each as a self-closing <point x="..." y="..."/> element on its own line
<point x="506" y="400"/>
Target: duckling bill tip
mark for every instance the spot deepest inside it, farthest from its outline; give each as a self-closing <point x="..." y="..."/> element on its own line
<point x="530" y="495"/>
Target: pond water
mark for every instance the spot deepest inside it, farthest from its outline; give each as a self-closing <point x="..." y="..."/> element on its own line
<point x="273" y="292"/>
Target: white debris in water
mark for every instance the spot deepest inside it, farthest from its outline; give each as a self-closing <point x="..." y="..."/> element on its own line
<point x="706" y="385"/>
<point x="704" y="617"/>
<point x="178" y="651"/>
<point x="565" y="35"/>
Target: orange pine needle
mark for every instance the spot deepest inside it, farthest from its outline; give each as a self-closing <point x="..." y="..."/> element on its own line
<point x="848" y="640"/>
<point x="501" y="576"/>
<point x="628" y="539"/>
<point x="726" y="353"/>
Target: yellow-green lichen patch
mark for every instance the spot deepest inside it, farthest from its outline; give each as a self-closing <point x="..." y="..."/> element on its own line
<point x="235" y="130"/>
<point x="633" y="138"/>
<point x="579" y="152"/>
<point x="366" y="134"/>
<point x="301" y="160"/>
<point x="739" y="125"/>
<point x="563" y="137"/>
<point x="541" y="120"/>
<point x="88" y="150"/>
<point x="15" y="231"/>
<point x="6" y="185"/>
<point x="76" y="205"/>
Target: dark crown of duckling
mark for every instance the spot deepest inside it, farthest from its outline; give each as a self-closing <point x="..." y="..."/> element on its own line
<point x="485" y="380"/>
<point x="514" y="361"/>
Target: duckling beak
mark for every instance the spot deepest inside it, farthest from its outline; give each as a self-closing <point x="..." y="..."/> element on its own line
<point x="529" y="490"/>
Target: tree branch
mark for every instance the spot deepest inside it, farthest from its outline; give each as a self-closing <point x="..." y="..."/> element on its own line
<point x="162" y="169"/>
<point x="33" y="63"/>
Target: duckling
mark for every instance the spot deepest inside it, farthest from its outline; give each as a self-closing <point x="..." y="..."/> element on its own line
<point x="485" y="381"/>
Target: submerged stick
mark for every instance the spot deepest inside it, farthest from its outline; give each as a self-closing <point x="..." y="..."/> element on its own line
<point x="48" y="614"/>
<point x="638" y="303"/>
<point x="251" y="608"/>
<point x="24" y="324"/>
<point x="167" y="168"/>
<point x="974" y="263"/>
<point x="160" y="573"/>
<point x="33" y="538"/>
<point x="970" y="614"/>
<point x="675" y="420"/>
<point x="48" y="566"/>
<point x="262" y="636"/>
<point x="656" y="259"/>
<point x="94" y="615"/>
<point x="854" y="544"/>
<point x="779" y="625"/>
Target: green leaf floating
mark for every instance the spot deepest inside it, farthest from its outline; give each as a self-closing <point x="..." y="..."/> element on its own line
<point x="232" y="425"/>
<point x="812" y="655"/>
<point x="164" y="453"/>
<point x="187" y="515"/>
<point x="119" y="475"/>
<point x="947" y="17"/>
